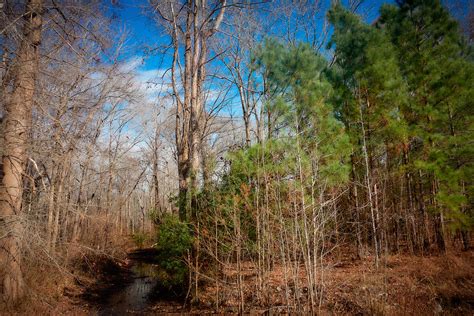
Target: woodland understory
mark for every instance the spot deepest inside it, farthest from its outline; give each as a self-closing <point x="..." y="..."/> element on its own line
<point x="285" y="156"/>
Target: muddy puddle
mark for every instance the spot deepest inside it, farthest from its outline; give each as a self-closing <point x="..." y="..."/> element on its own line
<point x="136" y="295"/>
<point x="134" y="289"/>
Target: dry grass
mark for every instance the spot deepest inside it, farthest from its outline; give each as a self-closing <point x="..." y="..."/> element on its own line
<point x="56" y="280"/>
<point x="404" y="285"/>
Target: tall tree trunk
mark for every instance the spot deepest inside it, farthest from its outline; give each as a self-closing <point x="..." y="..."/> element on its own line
<point x="369" y="184"/>
<point x="195" y="106"/>
<point x="356" y="208"/>
<point x="156" y="183"/>
<point x="18" y="116"/>
<point x="182" y="114"/>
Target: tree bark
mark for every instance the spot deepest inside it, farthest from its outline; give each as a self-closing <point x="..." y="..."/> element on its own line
<point x="18" y="117"/>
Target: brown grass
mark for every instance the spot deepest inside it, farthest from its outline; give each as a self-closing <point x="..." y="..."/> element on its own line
<point x="404" y="285"/>
<point x="56" y="281"/>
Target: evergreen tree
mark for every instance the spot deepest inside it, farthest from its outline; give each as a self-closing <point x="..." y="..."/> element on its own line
<point x="435" y="63"/>
<point x="301" y="95"/>
<point x="367" y="75"/>
<point x="370" y="97"/>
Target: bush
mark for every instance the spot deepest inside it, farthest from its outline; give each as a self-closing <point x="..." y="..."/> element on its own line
<point x="139" y="239"/>
<point x="174" y="240"/>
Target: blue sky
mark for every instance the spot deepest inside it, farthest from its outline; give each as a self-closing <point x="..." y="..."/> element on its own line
<point x="136" y="17"/>
<point x="144" y="36"/>
<point x="143" y="54"/>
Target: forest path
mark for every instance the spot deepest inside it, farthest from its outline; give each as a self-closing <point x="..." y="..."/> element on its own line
<point x="135" y="294"/>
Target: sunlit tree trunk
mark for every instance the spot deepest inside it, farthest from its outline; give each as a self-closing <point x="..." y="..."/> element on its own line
<point x="18" y="116"/>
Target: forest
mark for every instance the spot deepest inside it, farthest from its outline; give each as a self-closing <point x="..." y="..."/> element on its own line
<point x="236" y="157"/>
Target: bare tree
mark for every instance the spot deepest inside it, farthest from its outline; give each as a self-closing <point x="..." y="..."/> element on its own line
<point x="190" y="25"/>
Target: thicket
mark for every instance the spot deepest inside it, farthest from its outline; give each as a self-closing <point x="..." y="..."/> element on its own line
<point x="371" y="151"/>
<point x="174" y="243"/>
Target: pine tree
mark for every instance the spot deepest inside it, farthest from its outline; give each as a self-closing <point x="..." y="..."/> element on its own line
<point x="300" y="99"/>
<point x="370" y="97"/>
<point x="434" y="63"/>
<point x="305" y="161"/>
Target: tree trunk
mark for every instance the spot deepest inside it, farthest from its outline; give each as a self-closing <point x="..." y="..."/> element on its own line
<point x="18" y="116"/>
<point x="369" y="184"/>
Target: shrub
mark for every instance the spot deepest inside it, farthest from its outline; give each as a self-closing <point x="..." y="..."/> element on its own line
<point x="174" y="240"/>
<point x="139" y="239"/>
